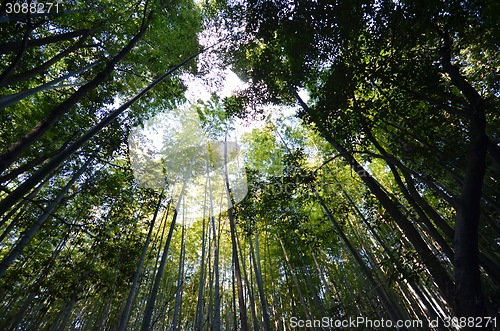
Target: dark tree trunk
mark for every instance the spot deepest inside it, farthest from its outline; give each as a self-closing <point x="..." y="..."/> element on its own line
<point x="23" y="45"/>
<point x="47" y="64"/>
<point x="54" y="163"/>
<point x="15" y="150"/>
<point x="258" y="276"/>
<point x="249" y="286"/>
<point x="490" y="266"/>
<point x="386" y="303"/>
<point x="469" y="300"/>
<point x="28" y="235"/>
<point x="431" y="230"/>
<point x="399" y="267"/>
<point x="216" y="323"/>
<point x="201" y="287"/>
<point x="148" y="313"/>
<point x="12" y="46"/>
<point x="236" y="263"/>
<point x="133" y="289"/>
<point x="295" y="281"/>
<point x="439" y="274"/>
<point x="11" y="99"/>
<point x="180" y="284"/>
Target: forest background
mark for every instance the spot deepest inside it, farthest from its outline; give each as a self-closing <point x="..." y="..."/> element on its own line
<point x="369" y="187"/>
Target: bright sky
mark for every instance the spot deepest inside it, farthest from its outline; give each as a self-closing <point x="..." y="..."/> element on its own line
<point x="166" y="127"/>
<point x="197" y="88"/>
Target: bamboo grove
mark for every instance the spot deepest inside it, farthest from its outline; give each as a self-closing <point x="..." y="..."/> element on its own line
<point x="352" y="175"/>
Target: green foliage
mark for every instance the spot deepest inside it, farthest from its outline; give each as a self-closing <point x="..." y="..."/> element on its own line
<point x="310" y="232"/>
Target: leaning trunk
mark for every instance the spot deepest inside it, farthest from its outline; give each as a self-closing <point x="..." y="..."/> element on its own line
<point x="15" y="150"/>
<point x="469" y="301"/>
<point x="28" y="235"/>
<point x="43" y="172"/>
<point x="439" y="274"/>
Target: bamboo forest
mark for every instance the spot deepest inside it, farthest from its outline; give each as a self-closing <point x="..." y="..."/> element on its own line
<point x="249" y="165"/>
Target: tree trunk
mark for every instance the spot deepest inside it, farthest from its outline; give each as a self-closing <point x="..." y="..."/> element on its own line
<point x="46" y="65"/>
<point x="248" y="286"/>
<point x="445" y="284"/>
<point x="258" y="277"/>
<point x="399" y="267"/>
<point x="216" y="326"/>
<point x="9" y="100"/>
<point x="22" y="50"/>
<point x="295" y="280"/>
<point x="431" y="230"/>
<point x="13" y="45"/>
<point x="469" y="300"/>
<point x="199" y="302"/>
<point x="469" y="297"/>
<point x="148" y="313"/>
<point x="180" y="284"/>
<point x="28" y="235"/>
<point x="386" y="303"/>
<point x="15" y="150"/>
<point x="490" y="266"/>
<point x="27" y="185"/>
<point x="236" y="263"/>
<point x="35" y="290"/>
<point x="126" y="312"/>
<point x="146" y="321"/>
<point x="65" y="314"/>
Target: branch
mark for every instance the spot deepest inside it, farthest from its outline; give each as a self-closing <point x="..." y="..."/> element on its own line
<point x="469" y="92"/>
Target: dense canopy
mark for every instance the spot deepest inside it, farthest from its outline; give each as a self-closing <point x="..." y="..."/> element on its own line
<point x="348" y="178"/>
